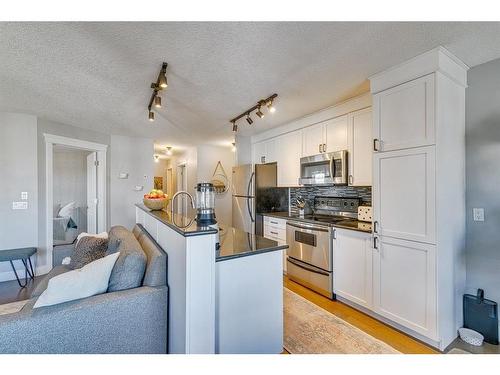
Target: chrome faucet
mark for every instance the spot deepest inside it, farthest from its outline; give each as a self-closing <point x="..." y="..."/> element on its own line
<point x="175" y="196"/>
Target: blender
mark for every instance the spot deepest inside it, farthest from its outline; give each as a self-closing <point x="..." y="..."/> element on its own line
<point x="205" y="206"/>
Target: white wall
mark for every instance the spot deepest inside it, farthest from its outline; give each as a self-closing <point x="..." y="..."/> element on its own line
<point x="160" y="170"/>
<point x="208" y="156"/>
<point x="135" y="157"/>
<point x="18" y="171"/>
<point x="243" y="150"/>
<point x="70" y="182"/>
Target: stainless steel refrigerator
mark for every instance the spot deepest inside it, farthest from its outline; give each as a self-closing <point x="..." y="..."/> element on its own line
<point x="245" y="183"/>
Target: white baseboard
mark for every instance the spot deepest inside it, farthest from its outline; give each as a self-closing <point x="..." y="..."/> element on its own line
<point x="9" y="275"/>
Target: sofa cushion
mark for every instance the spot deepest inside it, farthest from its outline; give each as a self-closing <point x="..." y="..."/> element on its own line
<point x="42" y="285"/>
<point x="87" y="250"/>
<point x="128" y="271"/>
<point x="156" y="270"/>
<point x="83" y="282"/>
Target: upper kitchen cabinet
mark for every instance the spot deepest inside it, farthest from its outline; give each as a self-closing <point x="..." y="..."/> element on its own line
<point x="404" y="115"/>
<point x="264" y="152"/>
<point x="336" y="134"/>
<point x="360" y="148"/>
<point x="327" y="136"/>
<point x="289" y="148"/>
<point x="313" y="138"/>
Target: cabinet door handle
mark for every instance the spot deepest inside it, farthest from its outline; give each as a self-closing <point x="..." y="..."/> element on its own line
<point x="334" y="234"/>
<point x="319" y="148"/>
<point x="375" y="242"/>
<point x="375" y="147"/>
<point x="324" y="147"/>
<point x="276" y="233"/>
<point x="351" y="179"/>
<point x="375" y="224"/>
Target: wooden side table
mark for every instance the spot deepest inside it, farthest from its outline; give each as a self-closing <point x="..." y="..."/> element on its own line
<point x="24" y="254"/>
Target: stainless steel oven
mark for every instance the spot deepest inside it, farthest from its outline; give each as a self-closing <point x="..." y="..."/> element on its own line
<point x="324" y="169"/>
<point x="309" y="260"/>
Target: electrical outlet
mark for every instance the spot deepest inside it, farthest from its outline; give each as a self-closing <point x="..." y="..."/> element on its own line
<point x="19" y="205"/>
<point x="24" y="195"/>
<point x="478" y="214"/>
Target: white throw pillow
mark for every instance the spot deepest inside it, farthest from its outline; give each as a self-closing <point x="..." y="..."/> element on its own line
<point x="67" y="210"/>
<point x="103" y="235"/>
<point x="87" y="281"/>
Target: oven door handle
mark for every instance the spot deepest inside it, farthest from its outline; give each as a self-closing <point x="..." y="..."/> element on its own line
<point x="301" y="265"/>
<point x="308" y="227"/>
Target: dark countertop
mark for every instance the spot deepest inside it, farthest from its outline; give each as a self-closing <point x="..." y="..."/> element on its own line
<point x="234" y="243"/>
<point x="185" y="225"/>
<point x="352" y="224"/>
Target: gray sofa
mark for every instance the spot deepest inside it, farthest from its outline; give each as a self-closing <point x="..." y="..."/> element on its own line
<point x="126" y="321"/>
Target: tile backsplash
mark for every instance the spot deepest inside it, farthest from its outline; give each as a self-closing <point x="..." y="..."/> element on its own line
<point x="364" y="193"/>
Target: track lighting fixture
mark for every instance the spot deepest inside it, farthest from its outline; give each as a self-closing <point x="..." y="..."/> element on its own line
<point x="268" y="102"/>
<point x="169" y="151"/>
<point x="157" y="158"/>
<point x="157" y="101"/>
<point x="259" y="113"/>
<point x="234" y="147"/>
<point x="160" y="84"/>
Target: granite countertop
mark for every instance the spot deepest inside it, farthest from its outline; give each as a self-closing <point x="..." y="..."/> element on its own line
<point x="235" y="243"/>
<point x="352" y="224"/>
<point x="185" y="225"/>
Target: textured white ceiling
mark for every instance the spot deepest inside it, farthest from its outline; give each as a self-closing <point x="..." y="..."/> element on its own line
<point x="97" y="75"/>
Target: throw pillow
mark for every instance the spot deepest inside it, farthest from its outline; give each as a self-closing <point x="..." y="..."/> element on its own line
<point x="98" y="235"/>
<point x="67" y="210"/>
<point x="87" y="250"/>
<point x="87" y="281"/>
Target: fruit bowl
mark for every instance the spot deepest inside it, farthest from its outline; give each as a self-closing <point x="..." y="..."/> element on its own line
<point x="155" y="203"/>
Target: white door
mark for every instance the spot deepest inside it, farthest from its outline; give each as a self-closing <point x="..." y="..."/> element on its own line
<point x="404" y="284"/>
<point x="360" y="148"/>
<point x="92" y="200"/>
<point x="313" y="138"/>
<point x="352" y="266"/>
<point x="404" y="115"/>
<point x="404" y="194"/>
<point x="289" y="152"/>
<point x="170" y="186"/>
<point x="336" y="134"/>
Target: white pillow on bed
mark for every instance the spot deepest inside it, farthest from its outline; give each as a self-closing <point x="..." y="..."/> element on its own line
<point x="67" y="210"/>
<point x="91" y="279"/>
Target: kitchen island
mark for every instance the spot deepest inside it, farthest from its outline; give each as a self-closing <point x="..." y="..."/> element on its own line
<point x="222" y="300"/>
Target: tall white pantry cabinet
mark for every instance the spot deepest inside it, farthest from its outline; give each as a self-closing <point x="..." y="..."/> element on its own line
<point x="419" y="195"/>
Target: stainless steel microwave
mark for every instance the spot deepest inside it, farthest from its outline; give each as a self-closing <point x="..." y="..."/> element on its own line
<point x="324" y="169"/>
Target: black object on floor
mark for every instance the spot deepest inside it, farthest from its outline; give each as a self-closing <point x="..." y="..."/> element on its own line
<point x="481" y="315"/>
<point x="24" y="255"/>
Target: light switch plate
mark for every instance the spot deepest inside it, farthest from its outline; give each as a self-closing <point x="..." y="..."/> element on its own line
<point x="19" y="205"/>
<point x="123" y="176"/>
<point x="478" y="214"/>
<point x="24" y="195"/>
<point x="138" y="188"/>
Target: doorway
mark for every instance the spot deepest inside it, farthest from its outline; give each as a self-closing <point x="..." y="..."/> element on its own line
<point x="93" y="205"/>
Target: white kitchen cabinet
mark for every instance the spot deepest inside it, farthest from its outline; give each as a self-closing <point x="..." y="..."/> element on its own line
<point x="404" y="194"/>
<point x="404" y="284"/>
<point x="336" y="137"/>
<point x="352" y="266"/>
<point x="404" y="115"/>
<point x="313" y="138"/>
<point x="360" y="148"/>
<point x="289" y="152"/>
<point x="264" y="152"/>
<point x="275" y="229"/>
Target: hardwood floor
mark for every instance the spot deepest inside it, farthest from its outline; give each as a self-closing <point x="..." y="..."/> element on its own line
<point x="396" y="339"/>
<point x="11" y="292"/>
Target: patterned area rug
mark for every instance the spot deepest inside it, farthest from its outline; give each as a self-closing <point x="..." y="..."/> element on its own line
<point x="13" y="307"/>
<point x="309" y="329"/>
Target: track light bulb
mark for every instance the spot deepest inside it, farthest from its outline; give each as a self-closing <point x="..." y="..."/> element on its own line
<point x="259" y="113"/>
<point x="271" y="107"/>
<point x="235" y="127"/>
<point x="162" y="82"/>
<point x="169" y="151"/>
<point x="151" y="116"/>
<point x="249" y="119"/>
<point x="157" y="101"/>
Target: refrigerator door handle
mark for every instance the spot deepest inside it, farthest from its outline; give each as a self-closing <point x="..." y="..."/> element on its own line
<point x="248" y="199"/>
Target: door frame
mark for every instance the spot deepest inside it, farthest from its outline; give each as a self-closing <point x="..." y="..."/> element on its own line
<point x="101" y="149"/>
